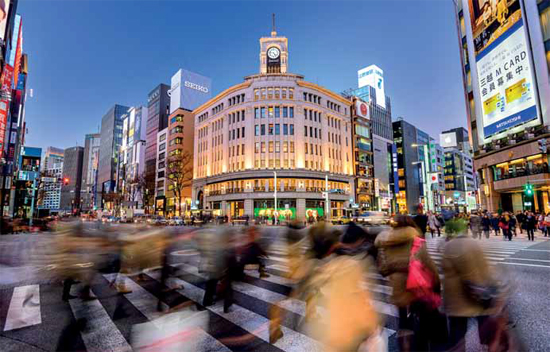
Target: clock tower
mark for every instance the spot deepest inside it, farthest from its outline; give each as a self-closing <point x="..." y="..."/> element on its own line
<point x="273" y="53"/>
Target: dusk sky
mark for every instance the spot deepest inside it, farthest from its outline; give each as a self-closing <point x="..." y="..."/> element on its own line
<point x="85" y="56"/>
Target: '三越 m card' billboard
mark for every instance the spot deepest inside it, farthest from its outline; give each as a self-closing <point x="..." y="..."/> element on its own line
<point x="507" y="94"/>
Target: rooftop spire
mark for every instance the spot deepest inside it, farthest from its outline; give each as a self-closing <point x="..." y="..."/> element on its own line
<point x="273" y="31"/>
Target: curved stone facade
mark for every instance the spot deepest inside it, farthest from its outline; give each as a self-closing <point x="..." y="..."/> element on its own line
<point x="273" y="123"/>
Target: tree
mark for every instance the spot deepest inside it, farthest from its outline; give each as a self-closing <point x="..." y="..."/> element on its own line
<point x="180" y="175"/>
<point x="146" y="183"/>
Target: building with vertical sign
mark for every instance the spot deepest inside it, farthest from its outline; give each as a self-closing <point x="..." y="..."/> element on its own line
<point x="52" y="168"/>
<point x="505" y="56"/>
<point x="109" y="150"/>
<point x="274" y="145"/>
<point x="26" y="183"/>
<point x="365" y="184"/>
<point x="90" y="164"/>
<point x="72" y="179"/>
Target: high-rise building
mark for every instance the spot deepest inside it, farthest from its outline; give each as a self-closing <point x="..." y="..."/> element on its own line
<point x="90" y="164"/>
<point x="505" y="57"/>
<point x="420" y="168"/>
<point x="363" y="155"/>
<point x="158" y="106"/>
<point x="26" y="183"/>
<point x="110" y="142"/>
<point x="72" y="179"/>
<point x="131" y="166"/>
<point x="274" y="144"/>
<point x="160" y="175"/>
<point x="370" y="89"/>
<point x="51" y="157"/>
<point x="52" y="167"/>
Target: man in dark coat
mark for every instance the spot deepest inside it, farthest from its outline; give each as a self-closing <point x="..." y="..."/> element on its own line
<point x="421" y="220"/>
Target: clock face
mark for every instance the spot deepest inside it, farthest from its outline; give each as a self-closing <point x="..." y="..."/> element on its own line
<point x="273" y="53"/>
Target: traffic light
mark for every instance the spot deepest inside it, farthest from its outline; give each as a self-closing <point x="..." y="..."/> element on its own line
<point x="528" y="189"/>
<point x="542" y="145"/>
<point x="65" y="181"/>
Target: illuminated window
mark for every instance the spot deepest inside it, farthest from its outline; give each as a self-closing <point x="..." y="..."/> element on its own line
<point x="257" y="147"/>
<point x="283" y="93"/>
<point x="256" y="94"/>
<point x="285" y="147"/>
<point x="276" y="93"/>
<point x="263" y="147"/>
<point x="271" y="147"/>
<point x="291" y="93"/>
<point x="292" y="147"/>
<point x="277" y="147"/>
<point x="270" y="112"/>
<point x="270" y="93"/>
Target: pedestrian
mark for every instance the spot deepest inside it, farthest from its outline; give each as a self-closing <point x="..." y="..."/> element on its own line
<point x="421" y="220"/>
<point x="495" y="220"/>
<point x="520" y="217"/>
<point x="513" y="223"/>
<point x="541" y="223"/>
<point x="475" y="225"/>
<point x="433" y="223"/>
<point x="530" y="224"/>
<point x="394" y="254"/>
<point x="466" y="272"/>
<point x="504" y="224"/>
<point x="440" y="223"/>
<point x="485" y="225"/>
<point x="547" y="224"/>
<point x="252" y="253"/>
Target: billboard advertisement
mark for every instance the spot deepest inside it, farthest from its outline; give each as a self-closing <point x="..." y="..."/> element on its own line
<point x="14" y="40"/>
<point x="189" y="90"/>
<point x="448" y="140"/>
<point x="362" y="109"/>
<point x="507" y="94"/>
<point x="4" y="13"/>
<point x="373" y="76"/>
<point x="6" y="81"/>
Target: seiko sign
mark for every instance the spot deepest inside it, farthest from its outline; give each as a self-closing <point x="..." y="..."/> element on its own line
<point x="196" y="87"/>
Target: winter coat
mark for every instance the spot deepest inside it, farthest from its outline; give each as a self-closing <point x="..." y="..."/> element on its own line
<point x="394" y="248"/>
<point x="530" y="222"/>
<point x="421" y="220"/>
<point x="485" y="224"/>
<point x="433" y="223"/>
<point x="464" y="260"/>
<point x="475" y="223"/>
<point x="350" y="313"/>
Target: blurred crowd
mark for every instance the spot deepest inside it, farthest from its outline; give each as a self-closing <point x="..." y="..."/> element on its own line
<point x="335" y="270"/>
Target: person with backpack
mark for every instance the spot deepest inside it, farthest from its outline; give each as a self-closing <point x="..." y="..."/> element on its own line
<point x="394" y="259"/>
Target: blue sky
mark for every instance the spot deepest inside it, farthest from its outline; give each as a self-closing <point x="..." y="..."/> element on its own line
<point x="85" y="56"/>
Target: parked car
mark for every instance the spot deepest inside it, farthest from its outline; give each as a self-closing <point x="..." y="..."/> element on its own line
<point x="341" y="220"/>
<point x="175" y="221"/>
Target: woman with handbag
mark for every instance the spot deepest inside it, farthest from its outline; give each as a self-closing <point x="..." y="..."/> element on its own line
<point x="413" y="300"/>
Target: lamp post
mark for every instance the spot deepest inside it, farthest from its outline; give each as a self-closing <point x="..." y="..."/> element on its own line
<point x="275" y="194"/>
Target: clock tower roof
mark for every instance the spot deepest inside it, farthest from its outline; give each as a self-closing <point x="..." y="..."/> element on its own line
<point x="273" y="52"/>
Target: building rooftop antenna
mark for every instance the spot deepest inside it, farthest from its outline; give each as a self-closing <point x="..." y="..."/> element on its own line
<point x="273" y="31"/>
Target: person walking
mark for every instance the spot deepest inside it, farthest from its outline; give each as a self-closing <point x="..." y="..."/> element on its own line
<point x="530" y="224"/>
<point x="495" y="220"/>
<point x="520" y="217"/>
<point x="441" y="224"/>
<point x="475" y="225"/>
<point x="504" y="224"/>
<point x="421" y="220"/>
<point x="394" y="254"/>
<point x="466" y="270"/>
<point x="433" y="223"/>
<point x="547" y="224"/>
<point x="541" y="224"/>
<point x="485" y="225"/>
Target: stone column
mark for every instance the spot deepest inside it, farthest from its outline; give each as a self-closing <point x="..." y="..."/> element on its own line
<point x="249" y="207"/>
<point x="301" y="209"/>
<point x="223" y="208"/>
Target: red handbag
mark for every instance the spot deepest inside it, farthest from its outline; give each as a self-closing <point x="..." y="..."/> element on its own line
<point x="420" y="280"/>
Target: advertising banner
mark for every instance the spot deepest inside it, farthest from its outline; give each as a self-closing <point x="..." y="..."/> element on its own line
<point x="189" y="90"/>
<point x="505" y="76"/>
<point x="14" y="40"/>
<point x="4" y="12"/>
<point x="362" y="109"/>
<point x="373" y="76"/>
<point x="6" y="80"/>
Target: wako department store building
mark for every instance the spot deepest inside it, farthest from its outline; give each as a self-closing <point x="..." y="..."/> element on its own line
<point x="273" y="137"/>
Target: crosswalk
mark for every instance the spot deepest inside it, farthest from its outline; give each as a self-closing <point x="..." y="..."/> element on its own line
<point x="121" y="322"/>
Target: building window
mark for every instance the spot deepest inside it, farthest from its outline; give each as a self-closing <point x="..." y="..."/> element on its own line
<point x="285" y="111"/>
<point x="263" y="147"/>
<point x="263" y="130"/>
<point x="285" y="147"/>
<point x="256" y="94"/>
<point x="285" y="129"/>
<point x="305" y="131"/>
<point x="263" y="112"/>
<point x="277" y="112"/>
<point x="271" y="147"/>
<point x="270" y="129"/>
<point x="257" y="147"/>
<point x="257" y="130"/>
<point x="256" y="113"/>
<point x="291" y="129"/>
<point x="291" y="112"/>
<point x="277" y="129"/>
<point x="292" y="147"/>
<point x="306" y="148"/>
<point x="242" y="132"/>
<point x="283" y="93"/>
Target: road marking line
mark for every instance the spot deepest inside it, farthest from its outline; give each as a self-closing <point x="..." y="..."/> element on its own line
<point x="250" y="321"/>
<point x="102" y="334"/>
<point x="146" y="303"/>
<point x="24" y="309"/>
<point x="522" y="264"/>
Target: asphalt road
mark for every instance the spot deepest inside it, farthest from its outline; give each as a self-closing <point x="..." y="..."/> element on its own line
<point x="45" y="323"/>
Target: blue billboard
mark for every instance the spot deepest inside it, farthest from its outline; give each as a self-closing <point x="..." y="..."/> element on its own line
<point x="189" y="90"/>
